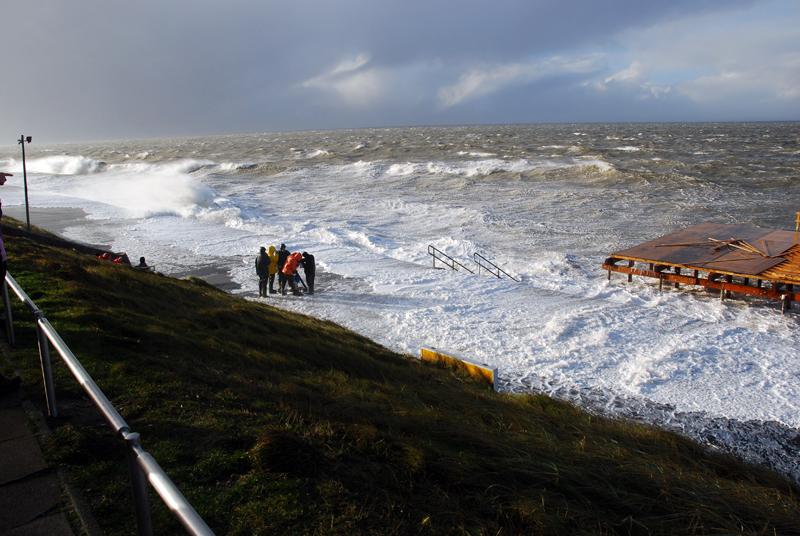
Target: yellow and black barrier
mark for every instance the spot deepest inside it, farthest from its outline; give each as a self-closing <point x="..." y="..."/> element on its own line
<point x="480" y="371"/>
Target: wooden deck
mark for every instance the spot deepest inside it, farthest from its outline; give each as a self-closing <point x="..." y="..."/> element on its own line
<point x="740" y="259"/>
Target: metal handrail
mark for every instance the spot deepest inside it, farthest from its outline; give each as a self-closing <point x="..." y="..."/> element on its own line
<point x="444" y="257"/>
<point x="144" y="468"/>
<point x="476" y="256"/>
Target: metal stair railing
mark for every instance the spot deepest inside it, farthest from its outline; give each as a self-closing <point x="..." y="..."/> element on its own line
<point x="143" y="467"/>
<point x="445" y="259"/>
<point x="492" y="268"/>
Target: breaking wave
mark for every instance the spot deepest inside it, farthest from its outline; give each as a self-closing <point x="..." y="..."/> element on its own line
<point x="486" y="167"/>
<point x="57" y="165"/>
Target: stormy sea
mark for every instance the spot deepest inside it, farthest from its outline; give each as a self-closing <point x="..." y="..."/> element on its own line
<point x="546" y="203"/>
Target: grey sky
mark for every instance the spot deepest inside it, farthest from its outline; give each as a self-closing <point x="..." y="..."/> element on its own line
<point x="96" y="69"/>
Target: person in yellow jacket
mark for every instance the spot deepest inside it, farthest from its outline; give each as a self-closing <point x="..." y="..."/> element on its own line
<point x="273" y="268"/>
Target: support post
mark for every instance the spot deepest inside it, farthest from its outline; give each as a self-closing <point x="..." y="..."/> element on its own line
<point x="9" y="319"/>
<point x="660" y="282"/>
<point x="47" y="369"/>
<point x="22" y="140"/>
<point x="630" y="275"/>
<point x="677" y="272"/>
<point x="722" y="292"/>
<point x="138" y="485"/>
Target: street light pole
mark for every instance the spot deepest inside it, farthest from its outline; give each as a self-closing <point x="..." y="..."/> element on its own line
<point x="21" y="141"/>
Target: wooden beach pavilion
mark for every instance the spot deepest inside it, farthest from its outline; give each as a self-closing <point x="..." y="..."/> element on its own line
<point x="741" y="259"/>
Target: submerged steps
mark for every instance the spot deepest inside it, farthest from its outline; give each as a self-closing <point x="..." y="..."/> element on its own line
<point x="480" y="260"/>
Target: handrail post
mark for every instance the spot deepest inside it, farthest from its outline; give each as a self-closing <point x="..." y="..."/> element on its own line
<point x="47" y="369"/>
<point x="139" y="485"/>
<point x="9" y="318"/>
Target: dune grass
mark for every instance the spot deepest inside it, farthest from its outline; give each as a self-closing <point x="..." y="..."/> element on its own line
<point x="276" y="423"/>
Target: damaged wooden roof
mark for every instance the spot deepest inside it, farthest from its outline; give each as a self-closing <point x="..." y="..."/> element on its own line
<point x="743" y="250"/>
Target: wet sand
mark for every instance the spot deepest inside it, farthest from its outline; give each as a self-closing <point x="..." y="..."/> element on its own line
<point x="55" y="220"/>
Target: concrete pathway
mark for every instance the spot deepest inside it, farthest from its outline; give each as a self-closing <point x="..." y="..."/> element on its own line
<point x="32" y="501"/>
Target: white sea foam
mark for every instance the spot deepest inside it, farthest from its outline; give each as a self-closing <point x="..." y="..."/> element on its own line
<point x="486" y="167"/>
<point x="477" y="154"/>
<point x="628" y="148"/>
<point x="131" y="190"/>
<point x="57" y="165"/>
<point x="235" y="166"/>
<point x="596" y="163"/>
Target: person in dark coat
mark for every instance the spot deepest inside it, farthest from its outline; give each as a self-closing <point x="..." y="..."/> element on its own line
<point x="262" y="269"/>
<point x="309" y="267"/>
<point x="283" y="254"/>
<point x="7" y="385"/>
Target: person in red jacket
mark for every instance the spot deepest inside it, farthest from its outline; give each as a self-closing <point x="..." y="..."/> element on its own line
<point x="289" y="268"/>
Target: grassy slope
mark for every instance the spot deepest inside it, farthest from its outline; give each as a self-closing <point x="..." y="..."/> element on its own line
<point x="272" y="422"/>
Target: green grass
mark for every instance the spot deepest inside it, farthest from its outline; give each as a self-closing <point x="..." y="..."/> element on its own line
<point x="276" y="423"/>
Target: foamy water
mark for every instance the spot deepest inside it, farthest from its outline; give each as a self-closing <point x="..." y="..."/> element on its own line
<point x="545" y="203"/>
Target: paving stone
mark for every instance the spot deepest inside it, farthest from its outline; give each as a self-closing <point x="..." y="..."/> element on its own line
<point x="24" y="500"/>
<point x="19" y="458"/>
<point x="52" y="525"/>
<point x="13" y="424"/>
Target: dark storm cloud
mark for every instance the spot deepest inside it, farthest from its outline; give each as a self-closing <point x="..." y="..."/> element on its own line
<point x="96" y="69"/>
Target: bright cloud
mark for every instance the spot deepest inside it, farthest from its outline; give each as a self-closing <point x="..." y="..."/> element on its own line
<point x="352" y="80"/>
<point x="633" y="77"/>
<point x="633" y="73"/>
<point x="481" y="81"/>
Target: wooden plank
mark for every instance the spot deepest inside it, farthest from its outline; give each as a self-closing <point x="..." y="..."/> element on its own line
<point x="776" y="242"/>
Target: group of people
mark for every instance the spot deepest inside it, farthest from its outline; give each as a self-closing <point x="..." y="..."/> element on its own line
<point x="285" y="265"/>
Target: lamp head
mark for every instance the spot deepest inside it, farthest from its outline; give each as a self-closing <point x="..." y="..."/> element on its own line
<point x="28" y="138"/>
